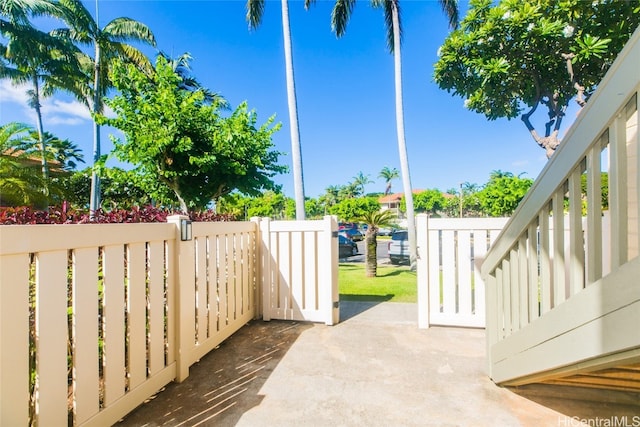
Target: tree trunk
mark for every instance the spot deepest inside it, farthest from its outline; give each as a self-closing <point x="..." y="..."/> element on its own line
<point x="43" y="144"/>
<point x="296" y="156"/>
<point x="402" y="146"/>
<point x="370" y="254"/>
<point x="94" y="203"/>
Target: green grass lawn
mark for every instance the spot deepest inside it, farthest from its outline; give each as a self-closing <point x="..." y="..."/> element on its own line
<point x="395" y="284"/>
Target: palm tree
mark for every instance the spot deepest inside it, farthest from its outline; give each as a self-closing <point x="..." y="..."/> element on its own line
<point x="374" y="221"/>
<point x="255" y="10"/>
<point x="20" y="181"/>
<point x="108" y="43"/>
<point x="361" y="180"/>
<point x="182" y="68"/>
<point x="330" y="197"/>
<point x="339" y="18"/>
<point x="33" y="57"/>
<point x="388" y="175"/>
<point x="349" y="191"/>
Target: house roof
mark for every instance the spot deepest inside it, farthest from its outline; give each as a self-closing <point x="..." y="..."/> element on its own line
<point x="395" y="197"/>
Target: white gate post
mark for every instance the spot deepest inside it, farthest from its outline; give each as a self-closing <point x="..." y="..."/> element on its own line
<point x="258" y="258"/>
<point x="265" y="267"/>
<point x="185" y="298"/>
<point x="330" y="283"/>
<point x="422" y="228"/>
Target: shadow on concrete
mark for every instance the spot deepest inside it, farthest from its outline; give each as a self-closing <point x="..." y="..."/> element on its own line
<point x="225" y="383"/>
<point x="587" y="404"/>
<point x="351" y="305"/>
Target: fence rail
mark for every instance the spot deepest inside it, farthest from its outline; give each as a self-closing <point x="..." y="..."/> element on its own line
<point x="536" y="268"/>
<point x="94" y="319"/>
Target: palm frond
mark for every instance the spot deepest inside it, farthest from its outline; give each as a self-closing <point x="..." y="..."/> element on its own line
<point x="450" y="9"/>
<point x="255" y="11"/>
<point x="308" y="3"/>
<point x="18" y="11"/>
<point x="388" y="6"/>
<point x="127" y="30"/>
<point x="340" y="15"/>
<point x="83" y="28"/>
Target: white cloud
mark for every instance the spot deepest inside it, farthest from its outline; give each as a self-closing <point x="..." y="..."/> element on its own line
<point x="12" y="93"/>
<point x="55" y="110"/>
<point x="69" y="110"/>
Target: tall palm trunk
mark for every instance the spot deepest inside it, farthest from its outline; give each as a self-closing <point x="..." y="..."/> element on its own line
<point x="296" y="156"/>
<point x="402" y="145"/>
<point x="371" y="253"/>
<point x="43" y="143"/>
<point x="94" y="203"/>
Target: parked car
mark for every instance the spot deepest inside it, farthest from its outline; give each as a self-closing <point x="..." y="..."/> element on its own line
<point x="346" y="247"/>
<point x="399" y="247"/>
<point x="384" y="231"/>
<point x="352" y="233"/>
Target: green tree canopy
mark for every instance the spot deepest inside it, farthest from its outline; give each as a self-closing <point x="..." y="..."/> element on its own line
<point x="510" y="57"/>
<point x="429" y="201"/>
<point x="502" y="194"/>
<point x="177" y="139"/>
<point x="352" y="208"/>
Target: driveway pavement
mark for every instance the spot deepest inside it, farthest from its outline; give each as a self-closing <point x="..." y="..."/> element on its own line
<point x="375" y="368"/>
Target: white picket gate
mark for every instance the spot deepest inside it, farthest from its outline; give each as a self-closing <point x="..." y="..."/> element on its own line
<point x="450" y="289"/>
<point x="299" y="267"/>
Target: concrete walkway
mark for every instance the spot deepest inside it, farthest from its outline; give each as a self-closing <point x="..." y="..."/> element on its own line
<point x="375" y="368"/>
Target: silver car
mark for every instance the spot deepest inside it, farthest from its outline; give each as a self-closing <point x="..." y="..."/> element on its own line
<point x="399" y="247"/>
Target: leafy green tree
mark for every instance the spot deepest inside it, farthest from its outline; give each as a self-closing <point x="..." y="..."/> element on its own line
<point x="175" y="138"/>
<point x="349" y="191"/>
<point x="374" y="220"/>
<point x="234" y="204"/>
<point x="314" y="209"/>
<point x="502" y="194"/>
<point x="270" y="204"/>
<point x="339" y="17"/>
<point x="470" y="203"/>
<point x="118" y="188"/>
<point x="255" y="10"/>
<point x="352" y="208"/>
<point x="388" y="175"/>
<point x="108" y="43"/>
<point x="429" y="201"/>
<point x="511" y="57"/>
<point x="182" y="68"/>
<point x="330" y="197"/>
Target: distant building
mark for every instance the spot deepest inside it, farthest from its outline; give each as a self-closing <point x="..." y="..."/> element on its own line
<point x="392" y="202"/>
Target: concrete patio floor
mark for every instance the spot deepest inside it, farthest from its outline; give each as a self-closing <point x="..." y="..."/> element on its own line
<point x="375" y="368"/>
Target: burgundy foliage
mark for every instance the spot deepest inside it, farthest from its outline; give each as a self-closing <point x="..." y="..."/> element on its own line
<point x="65" y="215"/>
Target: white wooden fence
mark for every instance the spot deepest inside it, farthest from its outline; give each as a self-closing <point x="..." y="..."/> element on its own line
<point x="94" y="319"/>
<point x="450" y="289"/>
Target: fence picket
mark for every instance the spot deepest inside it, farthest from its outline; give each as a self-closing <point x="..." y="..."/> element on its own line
<point x="51" y="326"/>
<point x="114" y="339"/>
<point x="137" y="316"/>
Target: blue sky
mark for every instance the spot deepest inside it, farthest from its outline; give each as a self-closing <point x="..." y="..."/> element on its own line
<point x="345" y="91"/>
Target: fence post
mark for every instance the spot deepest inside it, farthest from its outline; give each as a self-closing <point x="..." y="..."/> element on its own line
<point x="422" y="223"/>
<point x="266" y="264"/>
<point x="330" y="284"/>
<point x="185" y="295"/>
<point x="259" y="268"/>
